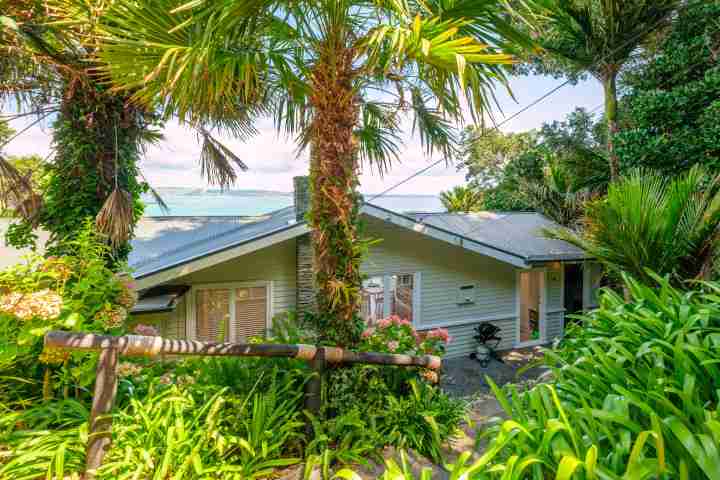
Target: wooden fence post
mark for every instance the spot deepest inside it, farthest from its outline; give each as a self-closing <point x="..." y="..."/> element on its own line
<point x="313" y="388"/>
<point x="99" y="438"/>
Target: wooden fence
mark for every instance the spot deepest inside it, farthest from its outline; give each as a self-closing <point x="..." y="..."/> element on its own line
<point x="111" y="348"/>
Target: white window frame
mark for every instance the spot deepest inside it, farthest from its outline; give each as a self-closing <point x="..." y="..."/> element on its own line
<point x="191" y="320"/>
<point x="417" y="295"/>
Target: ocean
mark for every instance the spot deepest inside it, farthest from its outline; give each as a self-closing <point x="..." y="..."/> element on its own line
<point x="187" y="202"/>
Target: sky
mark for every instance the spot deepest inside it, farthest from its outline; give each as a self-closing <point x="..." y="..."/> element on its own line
<point x="272" y="159"/>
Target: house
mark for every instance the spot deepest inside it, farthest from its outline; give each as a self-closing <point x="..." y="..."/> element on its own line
<point x="212" y="277"/>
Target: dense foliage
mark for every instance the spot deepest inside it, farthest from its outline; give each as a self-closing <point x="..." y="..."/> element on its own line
<point x="199" y="417"/>
<point x="647" y="221"/>
<point x="78" y="293"/>
<point x="553" y="170"/>
<point x="97" y="134"/>
<point x="671" y="115"/>
<point x="600" y="37"/>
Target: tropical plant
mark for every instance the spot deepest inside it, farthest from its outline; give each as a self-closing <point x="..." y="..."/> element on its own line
<point x="46" y="440"/>
<point x="539" y="170"/>
<point x="316" y="66"/>
<point x="600" y="37"/>
<point x="647" y="221"/>
<point x="556" y="197"/>
<point x="634" y="394"/>
<point x="78" y="293"/>
<point x="672" y="112"/>
<point x="175" y="432"/>
<point x="462" y="199"/>
<point x="424" y="420"/>
<point x="49" y="69"/>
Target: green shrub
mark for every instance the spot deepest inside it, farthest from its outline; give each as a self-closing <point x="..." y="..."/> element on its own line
<point x="179" y="434"/>
<point x="77" y="293"/>
<point x="635" y="394"/>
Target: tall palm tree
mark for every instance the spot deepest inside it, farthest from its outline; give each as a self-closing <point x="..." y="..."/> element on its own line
<point x="600" y="36"/>
<point x="648" y="221"/>
<point x="462" y="198"/>
<point x="337" y="73"/>
<point x="49" y="69"/>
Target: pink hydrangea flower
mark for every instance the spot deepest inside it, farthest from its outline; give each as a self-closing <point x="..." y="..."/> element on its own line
<point x="368" y="332"/>
<point x="393" y="345"/>
<point x="146" y="330"/>
<point x="439" y="333"/>
<point x="384" y="323"/>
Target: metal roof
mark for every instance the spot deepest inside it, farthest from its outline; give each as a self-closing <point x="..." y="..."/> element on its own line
<point x="520" y="233"/>
<point x="164" y="242"/>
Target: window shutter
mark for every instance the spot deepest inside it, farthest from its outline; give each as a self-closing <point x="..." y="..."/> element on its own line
<point x="212" y="314"/>
<point x="250" y="312"/>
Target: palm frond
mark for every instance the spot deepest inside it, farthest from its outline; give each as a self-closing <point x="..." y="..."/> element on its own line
<point x="647" y="221"/>
<point x="378" y="136"/>
<point x="437" y="132"/>
<point x="218" y="162"/>
<point x="17" y="193"/>
<point x="115" y="218"/>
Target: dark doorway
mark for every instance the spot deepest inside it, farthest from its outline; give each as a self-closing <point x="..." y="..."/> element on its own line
<point x="573" y="288"/>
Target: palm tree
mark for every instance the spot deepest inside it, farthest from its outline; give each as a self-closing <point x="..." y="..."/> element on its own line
<point x="557" y="196"/>
<point x="339" y="74"/>
<point x="49" y="69"/>
<point x="600" y="36"/>
<point x="647" y="221"/>
<point x="462" y="198"/>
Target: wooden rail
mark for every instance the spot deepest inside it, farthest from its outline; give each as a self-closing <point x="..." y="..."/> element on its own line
<point x="111" y="348"/>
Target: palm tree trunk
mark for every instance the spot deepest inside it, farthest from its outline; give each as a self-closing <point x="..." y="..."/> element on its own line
<point x="610" y="87"/>
<point x="335" y="205"/>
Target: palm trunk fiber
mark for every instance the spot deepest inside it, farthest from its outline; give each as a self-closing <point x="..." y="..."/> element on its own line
<point x="610" y="87"/>
<point x="334" y="210"/>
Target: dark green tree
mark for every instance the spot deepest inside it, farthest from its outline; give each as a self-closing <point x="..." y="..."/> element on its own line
<point x="672" y="112"/>
<point x="600" y="37"/>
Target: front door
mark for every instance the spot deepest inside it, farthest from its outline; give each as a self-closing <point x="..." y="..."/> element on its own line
<point x="531" y="318"/>
<point x="573" y="288"/>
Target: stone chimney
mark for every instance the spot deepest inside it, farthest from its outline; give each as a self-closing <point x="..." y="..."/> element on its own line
<point x="305" y="276"/>
<point x="301" y="196"/>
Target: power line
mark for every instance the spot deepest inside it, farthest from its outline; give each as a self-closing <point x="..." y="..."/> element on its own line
<point x="522" y="110"/>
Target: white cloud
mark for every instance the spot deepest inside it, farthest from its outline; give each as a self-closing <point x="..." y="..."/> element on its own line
<point x="273" y="162"/>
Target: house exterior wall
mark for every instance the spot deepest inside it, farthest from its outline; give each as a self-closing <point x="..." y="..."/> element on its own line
<point x="275" y="264"/>
<point x="443" y="269"/>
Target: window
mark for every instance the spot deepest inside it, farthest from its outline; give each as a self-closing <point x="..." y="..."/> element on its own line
<point x="387" y="295"/>
<point x="230" y="313"/>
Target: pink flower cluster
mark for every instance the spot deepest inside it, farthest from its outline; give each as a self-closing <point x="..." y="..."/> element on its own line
<point x="146" y="330"/>
<point x="393" y="320"/>
<point x="441" y="334"/>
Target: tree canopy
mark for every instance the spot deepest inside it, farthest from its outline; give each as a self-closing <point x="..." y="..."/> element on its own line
<point x="671" y="114"/>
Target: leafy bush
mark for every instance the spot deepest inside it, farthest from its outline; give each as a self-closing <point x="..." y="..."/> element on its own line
<point x="635" y="394"/>
<point x="78" y="293"/>
<point x="397" y="335"/>
<point x="180" y="434"/>
<point x="423" y="420"/>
